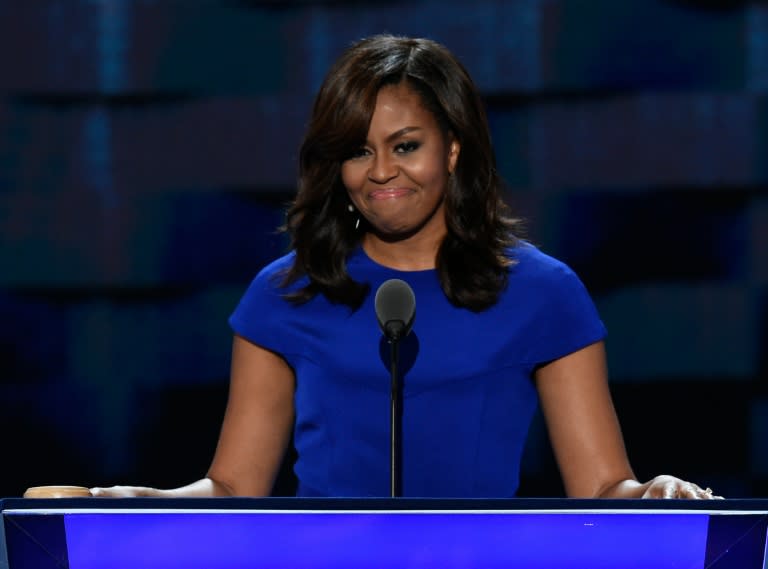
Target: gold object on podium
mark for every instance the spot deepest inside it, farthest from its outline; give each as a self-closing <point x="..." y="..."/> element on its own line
<point x="57" y="492"/>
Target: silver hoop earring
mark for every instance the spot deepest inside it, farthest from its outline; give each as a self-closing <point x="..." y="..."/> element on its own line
<point x="357" y="223"/>
<point x="350" y="208"/>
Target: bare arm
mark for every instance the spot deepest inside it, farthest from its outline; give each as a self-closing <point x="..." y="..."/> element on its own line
<point x="257" y="424"/>
<point x="254" y="435"/>
<point x="586" y="436"/>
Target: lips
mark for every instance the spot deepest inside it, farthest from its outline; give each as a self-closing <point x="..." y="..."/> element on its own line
<point x="389" y="193"/>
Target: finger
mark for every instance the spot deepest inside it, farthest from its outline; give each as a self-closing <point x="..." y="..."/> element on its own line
<point x="670" y="491"/>
<point x="691" y="491"/>
<point x="708" y="494"/>
<point x="696" y="492"/>
<point x="699" y="493"/>
<point x="111" y="492"/>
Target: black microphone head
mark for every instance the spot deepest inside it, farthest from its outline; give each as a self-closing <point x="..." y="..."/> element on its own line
<point x="395" y="308"/>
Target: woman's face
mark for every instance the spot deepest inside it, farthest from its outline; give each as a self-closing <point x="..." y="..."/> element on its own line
<point x="398" y="179"/>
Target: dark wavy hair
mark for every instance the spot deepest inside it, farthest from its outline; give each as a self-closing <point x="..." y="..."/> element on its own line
<point x="471" y="262"/>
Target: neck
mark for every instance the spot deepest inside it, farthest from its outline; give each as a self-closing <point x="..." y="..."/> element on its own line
<point x="414" y="253"/>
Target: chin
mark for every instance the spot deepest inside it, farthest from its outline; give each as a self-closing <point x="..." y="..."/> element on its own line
<point x="395" y="233"/>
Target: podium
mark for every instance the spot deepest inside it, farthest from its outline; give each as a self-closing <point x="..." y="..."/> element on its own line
<point x="299" y="533"/>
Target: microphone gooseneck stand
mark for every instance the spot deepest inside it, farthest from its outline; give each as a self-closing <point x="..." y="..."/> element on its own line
<point x="394" y="419"/>
<point x="395" y="306"/>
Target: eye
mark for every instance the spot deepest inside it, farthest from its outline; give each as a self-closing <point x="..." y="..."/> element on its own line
<point x="406" y="147"/>
<point x="359" y="153"/>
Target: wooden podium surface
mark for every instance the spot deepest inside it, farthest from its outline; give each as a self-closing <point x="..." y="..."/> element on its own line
<point x="149" y="533"/>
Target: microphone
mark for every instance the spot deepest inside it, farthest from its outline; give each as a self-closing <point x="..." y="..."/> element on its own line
<point x="395" y="310"/>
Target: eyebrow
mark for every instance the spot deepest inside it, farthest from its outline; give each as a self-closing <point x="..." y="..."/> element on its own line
<point x="402" y="132"/>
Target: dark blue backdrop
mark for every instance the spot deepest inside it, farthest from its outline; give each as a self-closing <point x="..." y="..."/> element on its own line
<point x="147" y="148"/>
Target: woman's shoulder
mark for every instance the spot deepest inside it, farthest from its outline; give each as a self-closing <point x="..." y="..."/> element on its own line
<point x="279" y="265"/>
<point x="266" y="289"/>
<point x="268" y="284"/>
<point x="271" y="275"/>
<point x="530" y="260"/>
<point x="535" y="272"/>
<point x="262" y="309"/>
<point x="559" y="308"/>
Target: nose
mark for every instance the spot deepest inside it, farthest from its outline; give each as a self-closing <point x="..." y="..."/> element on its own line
<point x="383" y="168"/>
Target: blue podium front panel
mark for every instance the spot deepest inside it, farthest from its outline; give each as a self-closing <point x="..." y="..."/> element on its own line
<point x="351" y="540"/>
<point x="302" y="534"/>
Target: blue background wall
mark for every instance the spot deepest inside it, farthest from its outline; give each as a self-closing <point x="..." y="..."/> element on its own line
<point x="147" y="149"/>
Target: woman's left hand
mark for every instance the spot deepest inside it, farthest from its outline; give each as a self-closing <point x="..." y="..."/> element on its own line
<point x="666" y="486"/>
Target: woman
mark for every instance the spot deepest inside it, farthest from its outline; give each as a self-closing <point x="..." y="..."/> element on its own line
<point x="398" y="180"/>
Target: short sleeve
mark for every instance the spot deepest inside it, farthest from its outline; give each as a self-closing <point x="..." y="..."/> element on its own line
<point x="261" y="316"/>
<point x="565" y="318"/>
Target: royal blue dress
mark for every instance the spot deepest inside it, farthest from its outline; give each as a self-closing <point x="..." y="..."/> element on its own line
<point x="468" y="394"/>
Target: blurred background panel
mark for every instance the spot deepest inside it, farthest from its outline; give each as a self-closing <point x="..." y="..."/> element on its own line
<point x="148" y="150"/>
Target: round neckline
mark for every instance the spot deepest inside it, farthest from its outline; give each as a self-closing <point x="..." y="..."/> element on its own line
<point x="361" y="253"/>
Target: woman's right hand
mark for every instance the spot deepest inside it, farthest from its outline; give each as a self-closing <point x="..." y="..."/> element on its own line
<point x="203" y="488"/>
<point x="126" y="492"/>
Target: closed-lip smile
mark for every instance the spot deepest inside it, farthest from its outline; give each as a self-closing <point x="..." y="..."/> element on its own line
<point x="388" y="193"/>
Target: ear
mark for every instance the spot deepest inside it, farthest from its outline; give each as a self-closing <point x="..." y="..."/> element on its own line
<point x="454" y="148"/>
